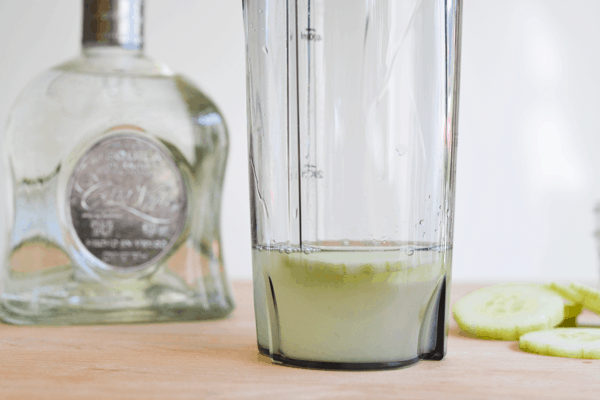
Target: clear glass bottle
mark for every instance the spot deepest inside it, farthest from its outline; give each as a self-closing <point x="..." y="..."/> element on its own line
<point x="115" y="176"/>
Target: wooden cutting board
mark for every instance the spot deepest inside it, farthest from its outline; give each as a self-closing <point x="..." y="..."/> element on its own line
<point x="219" y="360"/>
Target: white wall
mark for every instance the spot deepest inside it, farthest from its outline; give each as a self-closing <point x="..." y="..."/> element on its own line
<point x="528" y="140"/>
<point x="527" y="163"/>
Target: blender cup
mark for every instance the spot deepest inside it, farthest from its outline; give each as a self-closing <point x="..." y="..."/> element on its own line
<point x="352" y="116"/>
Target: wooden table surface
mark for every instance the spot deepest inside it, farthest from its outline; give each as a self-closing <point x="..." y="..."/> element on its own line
<point x="219" y="360"/>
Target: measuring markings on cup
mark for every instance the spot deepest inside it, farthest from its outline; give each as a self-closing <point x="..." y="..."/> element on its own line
<point x="311" y="171"/>
<point x="311" y="35"/>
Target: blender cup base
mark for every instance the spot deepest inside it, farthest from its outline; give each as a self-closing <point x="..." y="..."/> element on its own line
<point x="278" y="358"/>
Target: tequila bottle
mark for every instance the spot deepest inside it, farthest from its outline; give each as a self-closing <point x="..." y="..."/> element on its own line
<point x="115" y="176"/>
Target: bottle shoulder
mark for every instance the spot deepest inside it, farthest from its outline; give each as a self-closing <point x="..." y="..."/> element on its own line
<point x="115" y="62"/>
<point x="86" y="76"/>
<point x="121" y="80"/>
<point x="69" y="94"/>
<point x="199" y="104"/>
<point x="205" y="114"/>
<point x="70" y="103"/>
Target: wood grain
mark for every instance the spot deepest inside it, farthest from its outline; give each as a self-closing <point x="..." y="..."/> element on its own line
<point x="219" y="360"/>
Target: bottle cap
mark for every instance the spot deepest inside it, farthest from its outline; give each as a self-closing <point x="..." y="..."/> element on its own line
<point x="113" y="23"/>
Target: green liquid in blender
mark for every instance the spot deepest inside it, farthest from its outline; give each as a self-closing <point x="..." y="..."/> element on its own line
<point x="348" y="306"/>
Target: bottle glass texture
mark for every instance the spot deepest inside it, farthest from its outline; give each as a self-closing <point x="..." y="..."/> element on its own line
<point x="115" y="171"/>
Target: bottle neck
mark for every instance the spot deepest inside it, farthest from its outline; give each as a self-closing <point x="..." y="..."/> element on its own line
<point x="113" y="23"/>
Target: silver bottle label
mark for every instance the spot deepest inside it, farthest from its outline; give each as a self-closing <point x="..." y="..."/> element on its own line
<point x="127" y="201"/>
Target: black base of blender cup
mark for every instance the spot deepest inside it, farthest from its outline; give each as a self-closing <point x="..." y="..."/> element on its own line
<point x="336" y="365"/>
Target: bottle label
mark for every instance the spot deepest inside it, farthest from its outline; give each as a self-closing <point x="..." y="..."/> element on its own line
<point x="127" y="201"/>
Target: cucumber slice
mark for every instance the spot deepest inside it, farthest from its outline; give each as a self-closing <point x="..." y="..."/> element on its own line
<point x="572" y="299"/>
<point x="507" y="311"/>
<point x="591" y="296"/>
<point x="563" y="342"/>
<point x="568" y="323"/>
<point x="572" y="310"/>
<point x="566" y="292"/>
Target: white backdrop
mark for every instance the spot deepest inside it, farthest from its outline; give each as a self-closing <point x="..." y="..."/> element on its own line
<point x="528" y="136"/>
